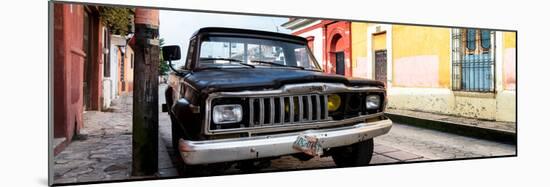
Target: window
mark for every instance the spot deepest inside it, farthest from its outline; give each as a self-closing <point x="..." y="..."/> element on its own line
<point x="473" y="61"/>
<point x="485" y="39"/>
<point x="302" y="57"/>
<point x="471" y="39"/>
<point x="225" y="51"/>
<point x="254" y="52"/>
<point x="190" y="53"/>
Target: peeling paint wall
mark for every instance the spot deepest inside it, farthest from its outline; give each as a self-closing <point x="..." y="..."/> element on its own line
<point x="435" y="100"/>
<point x="443" y="101"/>
<point x="499" y="107"/>
<point x="475" y="105"/>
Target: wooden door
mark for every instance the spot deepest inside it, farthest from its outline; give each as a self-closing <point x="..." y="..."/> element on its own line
<point x="380" y="65"/>
<point x="87" y="47"/>
<point x="340" y="64"/>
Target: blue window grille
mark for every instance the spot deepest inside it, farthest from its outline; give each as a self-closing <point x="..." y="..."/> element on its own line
<point x="473" y="60"/>
<point x="471" y="39"/>
<point x="486" y="39"/>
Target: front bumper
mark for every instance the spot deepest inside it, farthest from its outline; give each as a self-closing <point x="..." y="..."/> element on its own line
<point x="235" y="149"/>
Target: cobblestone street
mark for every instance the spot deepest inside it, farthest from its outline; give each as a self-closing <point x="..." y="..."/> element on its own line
<point x="402" y="144"/>
<point x="103" y="151"/>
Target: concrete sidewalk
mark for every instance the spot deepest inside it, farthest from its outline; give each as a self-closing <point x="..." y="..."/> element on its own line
<point x="104" y="150"/>
<point x="491" y="130"/>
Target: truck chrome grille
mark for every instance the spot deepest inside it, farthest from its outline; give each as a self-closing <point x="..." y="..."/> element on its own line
<point x="291" y="107"/>
<point x="264" y="111"/>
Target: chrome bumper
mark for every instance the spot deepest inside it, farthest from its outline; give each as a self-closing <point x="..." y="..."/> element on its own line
<point x="214" y="151"/>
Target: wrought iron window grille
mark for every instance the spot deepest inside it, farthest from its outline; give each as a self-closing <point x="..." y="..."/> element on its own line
<point x="473" y="60"/>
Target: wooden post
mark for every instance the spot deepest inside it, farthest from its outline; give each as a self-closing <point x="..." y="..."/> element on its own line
<point x="145" y="100"/>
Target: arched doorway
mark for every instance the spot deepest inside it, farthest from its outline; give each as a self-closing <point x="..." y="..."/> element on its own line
<point x="337" y="55"/>
<point x="338" y="48"/>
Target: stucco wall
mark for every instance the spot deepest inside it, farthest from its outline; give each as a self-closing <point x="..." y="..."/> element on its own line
<point x="500" y="107"/>
<point x="428" y="44"/>
<point x="506" y="98"/>
<point x="129" y="72"/>
<point x="379" y="41"/>
<point x="509" y="61"/>
<point x="359" y="49"/>
<point x="421" y="72"/>
<point x="69" y="58"/>
<point x="338" y="39"/>
<point x="417" y="71"/>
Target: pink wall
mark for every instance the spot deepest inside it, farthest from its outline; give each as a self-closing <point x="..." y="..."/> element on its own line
<point x="509" y="69"/>
<point x="416" y="71"/>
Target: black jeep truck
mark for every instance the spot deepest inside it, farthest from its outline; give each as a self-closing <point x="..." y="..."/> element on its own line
<point x="248" y="96"/>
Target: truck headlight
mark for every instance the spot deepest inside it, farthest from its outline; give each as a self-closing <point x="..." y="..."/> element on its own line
<point x="223" y="114"/>
<point x="334" y="102"/>
<point x="373" y="101"/>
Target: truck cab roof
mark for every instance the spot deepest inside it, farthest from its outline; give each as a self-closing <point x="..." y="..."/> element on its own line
<point x="248" y="33"/>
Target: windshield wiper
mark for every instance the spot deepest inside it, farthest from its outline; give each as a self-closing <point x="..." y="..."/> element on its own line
<point x="230" y="60"/>
<point x="273" y="63"/>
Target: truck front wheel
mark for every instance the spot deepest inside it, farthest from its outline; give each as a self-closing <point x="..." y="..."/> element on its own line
<point x="358" y="154"/>
<point x="176" y="133"/>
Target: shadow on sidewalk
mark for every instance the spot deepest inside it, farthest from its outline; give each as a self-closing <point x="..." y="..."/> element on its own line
<point x="103" y="151"/>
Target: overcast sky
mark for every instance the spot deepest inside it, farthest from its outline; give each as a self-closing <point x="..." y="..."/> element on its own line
<point x="176" y="27"/>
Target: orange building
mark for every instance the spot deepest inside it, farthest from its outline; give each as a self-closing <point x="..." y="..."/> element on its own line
<point x="125" y="70"/>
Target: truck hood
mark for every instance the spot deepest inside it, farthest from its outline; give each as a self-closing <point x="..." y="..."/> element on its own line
<point x="240" y="79"/>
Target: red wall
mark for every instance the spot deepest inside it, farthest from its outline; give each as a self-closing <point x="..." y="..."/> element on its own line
<point x="338" y="38"/>
<point x="332" y="30"/>
<point x="68" y="67"/>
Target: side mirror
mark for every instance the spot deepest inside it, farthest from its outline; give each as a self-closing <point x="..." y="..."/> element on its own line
<point x="171" y="52"/>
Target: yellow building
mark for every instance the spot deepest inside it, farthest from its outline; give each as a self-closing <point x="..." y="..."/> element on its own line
<point x="462" y="72"/>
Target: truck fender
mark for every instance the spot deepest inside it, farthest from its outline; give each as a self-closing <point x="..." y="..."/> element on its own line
<point x="182" y="109"/>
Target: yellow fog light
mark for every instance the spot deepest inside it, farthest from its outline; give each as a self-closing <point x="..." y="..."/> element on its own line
<point x="334" y="102"/>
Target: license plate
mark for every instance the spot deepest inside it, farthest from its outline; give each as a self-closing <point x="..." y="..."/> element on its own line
<point x="308" y="144"/>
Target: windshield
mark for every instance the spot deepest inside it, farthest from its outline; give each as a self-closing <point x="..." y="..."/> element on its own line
<point x="223" y="51"/>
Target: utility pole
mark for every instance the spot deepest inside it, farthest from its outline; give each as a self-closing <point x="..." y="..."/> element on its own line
<point x="145" y="100"/>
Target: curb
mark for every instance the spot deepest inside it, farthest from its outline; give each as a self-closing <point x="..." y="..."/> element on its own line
<point x="456" y="128"/>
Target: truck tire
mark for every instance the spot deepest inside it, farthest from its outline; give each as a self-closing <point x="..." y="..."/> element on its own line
<point x="176" y="134"/>
<point x="358" y="154"/>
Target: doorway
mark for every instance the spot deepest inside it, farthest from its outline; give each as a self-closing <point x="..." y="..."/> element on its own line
<point x="87" y="47"/>
<point x="380" y="65"/>
<point x="340" y="64"/>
